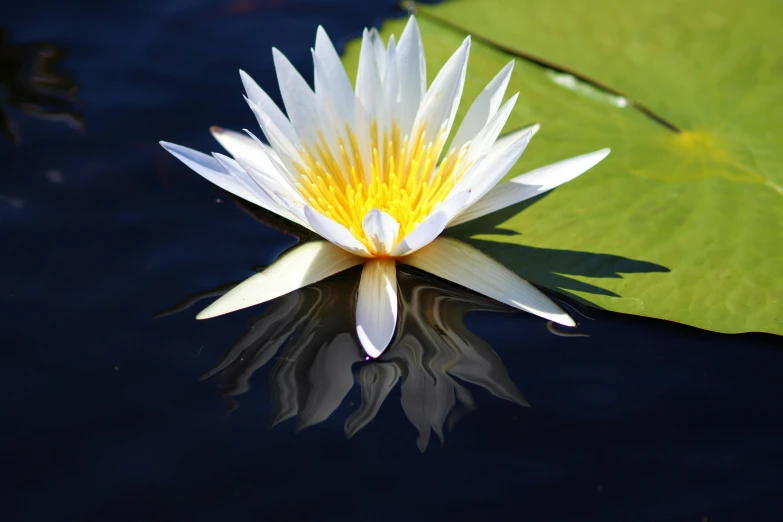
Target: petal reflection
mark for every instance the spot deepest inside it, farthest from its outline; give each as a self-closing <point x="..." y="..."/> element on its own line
<point x="434" y="358"/>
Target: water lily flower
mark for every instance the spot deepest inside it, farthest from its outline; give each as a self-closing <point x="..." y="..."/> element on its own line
<point x="367" y="171"/>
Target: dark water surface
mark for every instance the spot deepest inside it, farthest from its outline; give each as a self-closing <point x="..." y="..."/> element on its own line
<point x="103" y="414"/>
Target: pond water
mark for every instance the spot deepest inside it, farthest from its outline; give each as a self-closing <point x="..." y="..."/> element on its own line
<point x="476" y="412"/>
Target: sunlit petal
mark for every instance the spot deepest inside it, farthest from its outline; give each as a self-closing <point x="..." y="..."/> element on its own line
<point x="257" y="95"/>
<point x="301" y="266"/>
<point x="298" y="97"/>
<point x="439" y="105"/>
<point x="334" y="78"/>
<point x="466" y="266"/>
<point x="412" y="73"/>
<point x="493" y="170"/>
<point x="335" y="232"/>
<point x="376" y="305"/>
<point x="381" y="230"/>
<point x="530" y="184"/>
<point x="210" y="168"/>
<point x="242" y="145"/>
<point x="431" y="227"/>
<point x="484" y="107"/>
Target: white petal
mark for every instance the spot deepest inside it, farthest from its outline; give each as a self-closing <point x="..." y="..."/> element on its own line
<point x="209" y="168"/>
<point x="550" y="176"/>
<point x="530" y="184"/>
<point x="505" y="141"/>
<point x="381" y="229"/>
<point x="376" y="305"/>
<point x="391" y="87"/>
<point x="271" y="182"/>
<point x="362" y="135"/>
<point x="330" y="118"/>
<point x="286" y="149"/>
<point x="298" y="97"/>
<point x="303" y="265"/>
<point x="335" y="78"/>
<point x="483" y="142"/>
<point x="240" y="174"/>
<point x="466" y="266"/>
<point x="492" y="171"/>
<point x="279" y="171"/>
<point x="334" y="232"/>
<point x="440" y="103"/>
<point x="412" y="73"/>
<point x="484" y="108"/>
<point x="431" y="227"/>
<point x="242" y="145"/>
<point x="379" y="50"/>
<point x="278" y="194"/>
<point x="257" y="95"/>
<point x="368" y="79"/>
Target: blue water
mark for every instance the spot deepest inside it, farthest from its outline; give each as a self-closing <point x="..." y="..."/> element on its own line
<point x="104" y="417"/>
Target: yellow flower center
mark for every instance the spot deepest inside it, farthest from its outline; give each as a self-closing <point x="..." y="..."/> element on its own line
<point x="403" y="177"/>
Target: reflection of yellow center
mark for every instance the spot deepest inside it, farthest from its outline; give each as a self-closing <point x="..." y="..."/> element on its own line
<point x="401" y="179"/>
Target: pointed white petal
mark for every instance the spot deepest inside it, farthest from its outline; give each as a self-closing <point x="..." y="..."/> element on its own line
<point x="287" y="151"/>
<point x="368" y="78"/>
<point x="376" y="305"/>
<point x="362" y="135"/>
<point x="298" y="97"/>
<point x="279" y="195"/>
<point x="490" y="172"/>
<point x="530" y="184"/>
<point x="330" y="118"/>
<point x="334" y="232"/>
<point x="550" y="176"/>
<point x="242" y="145"/>
<point x="391" y="86"/>
<point x="440" y="103"/>
<point x="431" y="227"/>
<point x="412" y="73"/>
<point x="466" y="266"/>
<point x="278" y="139"/>
<point x="335" y="79"/>
<point x="268" y="150"/>
<point x="484" y="108"/>
<point x="505" y="141"/>
<point x="381" y="229"/>
<point x="257" y="95"/>
<point x="379" y="50"/>
<point x="209" y="168"/>
<point x="279" y="172"/>
<point x="237" y="172"/>
<point x="482" y="143"/>
<point x="271" y="182"/>
<point x="303" y="265"/>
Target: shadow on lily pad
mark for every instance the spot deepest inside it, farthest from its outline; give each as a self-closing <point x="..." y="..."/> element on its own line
<point x="549" y="267"/>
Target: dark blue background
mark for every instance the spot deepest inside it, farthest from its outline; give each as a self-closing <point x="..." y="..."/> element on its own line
<point x="103" y="419"/>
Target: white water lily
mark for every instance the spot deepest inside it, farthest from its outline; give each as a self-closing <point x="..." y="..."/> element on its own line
<point x="361" y="170"/>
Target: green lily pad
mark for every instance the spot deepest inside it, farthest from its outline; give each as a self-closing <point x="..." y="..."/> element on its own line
<point x="684" y="220"/>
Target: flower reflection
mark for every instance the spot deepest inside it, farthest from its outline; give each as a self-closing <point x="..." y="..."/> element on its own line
<point x="31" y="82"/>
<point x="434" y="356"/>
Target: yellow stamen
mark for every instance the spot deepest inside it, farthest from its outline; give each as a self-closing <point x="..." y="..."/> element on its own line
<point x="404" y="178"/>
